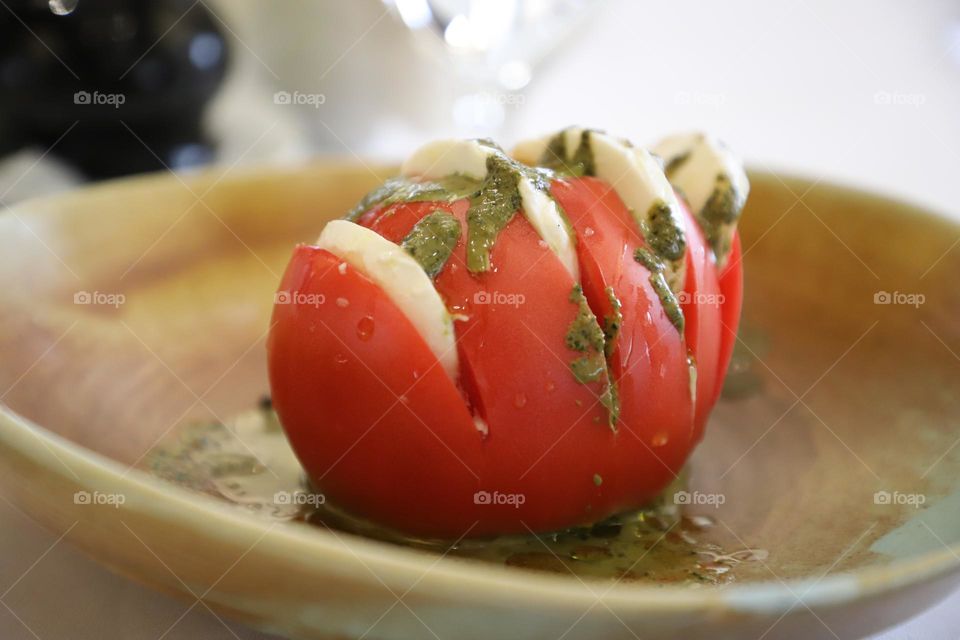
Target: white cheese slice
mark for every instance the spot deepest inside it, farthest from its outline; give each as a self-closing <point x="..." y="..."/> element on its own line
<point x="696" y="176"/>
<point x="402" y="279"/>
<point x="469" y="157"/>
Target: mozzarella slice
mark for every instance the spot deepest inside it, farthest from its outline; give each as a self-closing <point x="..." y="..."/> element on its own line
<point x="402" y="279"/>
<point x="441" y="158"/>
<point x="469" y="157"/>
<point x="700" y="159"/>
<point x="530" y="151"/>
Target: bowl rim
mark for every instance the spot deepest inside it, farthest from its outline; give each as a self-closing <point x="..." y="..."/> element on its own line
<point x="486" y="582"/>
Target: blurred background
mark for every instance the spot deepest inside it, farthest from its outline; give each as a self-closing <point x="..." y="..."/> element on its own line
<point x="864" y="92"/>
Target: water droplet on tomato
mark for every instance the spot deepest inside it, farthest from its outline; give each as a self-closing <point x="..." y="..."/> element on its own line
<point x="519" y="401"/>
<point x="550" y="386"/>
<point x="340" y="358"/>
<point x="365" y="328"/>
<point x="660" y="439"/>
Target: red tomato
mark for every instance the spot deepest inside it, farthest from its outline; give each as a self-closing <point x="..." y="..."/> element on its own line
<point x="731" y="286"/>
<point x="385" y="434"/>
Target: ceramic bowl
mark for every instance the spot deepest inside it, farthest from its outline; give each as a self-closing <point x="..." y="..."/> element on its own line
<point x="133" y="308"/>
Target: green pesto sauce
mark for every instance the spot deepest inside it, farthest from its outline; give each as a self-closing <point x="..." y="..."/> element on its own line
<point x="586" y="336"/>
<point x="675" y="163"/>
<point x="671" y="306"/>
<point x="612" y="322"/>
<point x="401" y="189"/>
<point x="662" y="232"/>
<point x="554" y="157"/>
<point x="494" y="200"/>
<point x="491" y="208"/>
<point x="580" y="164"/>
<point x="589" y="368"/>
<point x="432" y="240"/>
<point x="660" y="544"/>
<point x="584" y="332"/>
<point x="721" y="210"/>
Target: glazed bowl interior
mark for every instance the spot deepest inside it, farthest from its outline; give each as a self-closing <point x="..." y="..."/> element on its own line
<point x="135" y="308"/>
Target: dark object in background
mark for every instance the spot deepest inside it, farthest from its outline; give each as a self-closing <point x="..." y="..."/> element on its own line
<point x="119" y="69"/>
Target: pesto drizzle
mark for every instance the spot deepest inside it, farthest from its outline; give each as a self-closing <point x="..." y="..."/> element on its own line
<point x="721" y="211"/>
<point x="586" y="337"/>
<point x="400" y="189"/>
<point x="579" y="164"/>
<point x="674" y="163"/>
<point x="492" y="206"/>
<point x="612" y="322"/>
<point x="432" y="240"/>
<point x="671" y="306"/>
<point x="494" y="200"/>
<point x="664" y="237"/>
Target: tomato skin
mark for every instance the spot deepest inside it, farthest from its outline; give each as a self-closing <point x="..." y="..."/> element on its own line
<point x="731" y="286"/>
<point x="547" y="433"/>
<point x="419" y="464"/>
<point x="340" y="398"/>
<point x="649" y="358"/>
<point x="702" y="304"/>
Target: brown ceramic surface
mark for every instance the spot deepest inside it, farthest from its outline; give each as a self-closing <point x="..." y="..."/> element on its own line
<point x="834" y="397"/>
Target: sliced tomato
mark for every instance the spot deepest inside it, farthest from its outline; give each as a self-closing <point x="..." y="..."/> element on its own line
<point x="731" y="286"/>
<point x="353" y="382"/>
<point x="649" y="357"/>
<point x="515" y="443"/>
<point x="702" y="303"/>
<point x="547" y="433"/>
